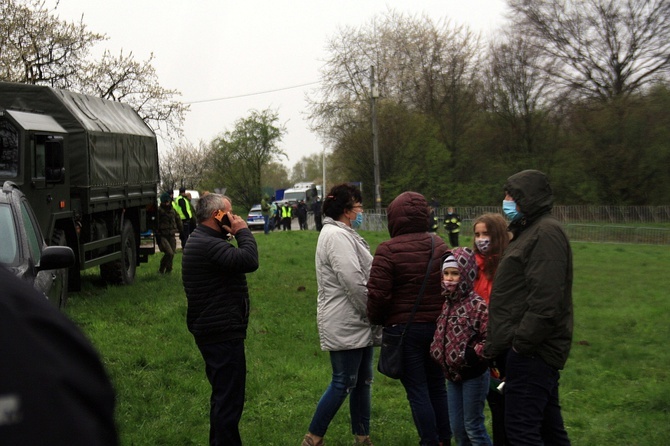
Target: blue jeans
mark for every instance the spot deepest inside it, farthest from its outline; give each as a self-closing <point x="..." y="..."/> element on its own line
<point x="352" y="376"/>
<point x="466" y="410"/>
<point x="226" y="368"/>
<point x="532" y="411"/>
<point x="266" y="223"/>
<point x="425" y="385"/>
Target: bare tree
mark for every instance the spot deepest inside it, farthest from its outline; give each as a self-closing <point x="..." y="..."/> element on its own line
<point x="599" y="48"/>
<point x="424" y="66"/>
<point x="136" y="83"/>
<point x="37" y="47"/>
<point x="185" y="164"/>
<point x="519" y="97"/>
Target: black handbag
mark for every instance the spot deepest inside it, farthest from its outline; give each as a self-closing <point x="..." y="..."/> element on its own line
<point x="390" y="356"/>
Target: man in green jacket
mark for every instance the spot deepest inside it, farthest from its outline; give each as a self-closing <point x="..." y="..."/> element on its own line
<point x="530" y="312"/>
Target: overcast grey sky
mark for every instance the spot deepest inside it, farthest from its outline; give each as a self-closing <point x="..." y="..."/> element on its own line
<point x="211" y="49"/>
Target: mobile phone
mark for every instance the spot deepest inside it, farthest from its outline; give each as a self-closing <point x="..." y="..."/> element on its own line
<point x="222" y="218"/>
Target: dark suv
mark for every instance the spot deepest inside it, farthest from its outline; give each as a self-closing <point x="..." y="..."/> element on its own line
<point x="24" y="251"/>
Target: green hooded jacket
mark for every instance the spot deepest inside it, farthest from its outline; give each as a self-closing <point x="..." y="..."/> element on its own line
<point x="530" y="307"/>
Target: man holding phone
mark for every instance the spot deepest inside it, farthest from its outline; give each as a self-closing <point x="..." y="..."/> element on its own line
<point x="214" y="275"/>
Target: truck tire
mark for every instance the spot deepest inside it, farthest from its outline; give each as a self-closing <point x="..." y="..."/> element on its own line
<point x="122" y="271"/>
<point x="58" y="239"/>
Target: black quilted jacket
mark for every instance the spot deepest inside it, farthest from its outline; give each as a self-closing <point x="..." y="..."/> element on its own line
<point x="214" y="276"/>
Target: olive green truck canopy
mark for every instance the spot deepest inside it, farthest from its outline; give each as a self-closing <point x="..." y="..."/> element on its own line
<point x="108" y="144"/>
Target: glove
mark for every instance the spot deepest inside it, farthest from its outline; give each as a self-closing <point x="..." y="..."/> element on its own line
<point x="471" y="357"/>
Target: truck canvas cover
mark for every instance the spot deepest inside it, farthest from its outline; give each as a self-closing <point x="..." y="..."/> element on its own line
<point x="108" y="143"/>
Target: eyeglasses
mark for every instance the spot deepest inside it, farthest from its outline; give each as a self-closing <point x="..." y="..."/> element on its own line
<point x="359" y="206"/>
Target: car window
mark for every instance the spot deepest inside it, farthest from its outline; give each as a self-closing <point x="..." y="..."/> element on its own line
<point x="32" y="232"/>
<point x="9" y="244"/>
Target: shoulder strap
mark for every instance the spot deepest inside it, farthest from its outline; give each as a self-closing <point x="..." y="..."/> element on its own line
<point x="423" y="285"/>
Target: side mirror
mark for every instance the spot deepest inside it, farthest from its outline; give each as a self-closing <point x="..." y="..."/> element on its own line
<point x="56" y="257"/>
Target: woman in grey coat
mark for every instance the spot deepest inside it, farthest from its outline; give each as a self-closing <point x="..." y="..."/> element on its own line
<point x="343" y="263"/>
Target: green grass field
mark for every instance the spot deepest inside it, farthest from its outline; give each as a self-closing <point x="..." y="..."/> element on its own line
<point x="615" y="389"/>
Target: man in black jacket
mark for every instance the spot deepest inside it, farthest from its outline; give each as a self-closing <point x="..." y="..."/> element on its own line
<point x="530" y="312"/>
<point x="214" y="275"/>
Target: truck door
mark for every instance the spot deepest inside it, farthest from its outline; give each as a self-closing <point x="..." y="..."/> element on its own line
<point x="48" y="193"/>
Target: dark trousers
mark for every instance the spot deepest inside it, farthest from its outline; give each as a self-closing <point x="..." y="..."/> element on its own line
<point x="453" y="239"/>
<point x="532" y="412"/>
<point x="226" y="369"/>
<point x="185" y="232"/>
<point x="425" y="385"/>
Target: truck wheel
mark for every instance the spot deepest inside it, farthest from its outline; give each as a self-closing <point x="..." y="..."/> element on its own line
<point x="58" y="239"/>
<point x="122" y="272"/>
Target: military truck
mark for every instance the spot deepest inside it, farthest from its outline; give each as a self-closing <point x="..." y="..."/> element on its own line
<point x="89" y="168"/>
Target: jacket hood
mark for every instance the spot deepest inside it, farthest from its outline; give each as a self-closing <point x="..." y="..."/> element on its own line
<point x="408" y="214"/>
<point x="531" y="192"/>
<point x="467" y="268"/>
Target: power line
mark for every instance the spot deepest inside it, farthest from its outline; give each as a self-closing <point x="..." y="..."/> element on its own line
<point x="251" y="94"/>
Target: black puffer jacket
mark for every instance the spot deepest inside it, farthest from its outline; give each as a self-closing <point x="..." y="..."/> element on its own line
<point x="399" y="266"/>
<point x="213" y="272"/>
<point x="530" y="307"/>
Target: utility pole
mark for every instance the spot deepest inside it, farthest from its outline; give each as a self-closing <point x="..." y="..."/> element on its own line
<point x="374" y="94"/>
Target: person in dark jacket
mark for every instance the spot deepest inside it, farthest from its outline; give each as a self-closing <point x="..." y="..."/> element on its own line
<point x="398" y="270"/>
<point x="452" y="224"/>
<point x="214" y="275"/>
<point x="302" y="215"/>
<point x="318" y="217"/>
<point x="53" y="387"/>
<point x="530" y="312"/>
<point x="169" y="224"/>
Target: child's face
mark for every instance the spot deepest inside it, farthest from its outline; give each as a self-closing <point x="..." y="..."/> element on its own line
<point x="481" y="231"/>
<point x="482" y="238"/>
<point x="451" y="275"/>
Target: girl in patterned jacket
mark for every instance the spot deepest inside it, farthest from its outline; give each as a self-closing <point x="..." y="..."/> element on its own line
<point x="457" y="346"/>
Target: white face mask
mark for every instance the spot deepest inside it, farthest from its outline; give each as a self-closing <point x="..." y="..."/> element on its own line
<point x="483" y="244"/>
<point x="449" y="286"/>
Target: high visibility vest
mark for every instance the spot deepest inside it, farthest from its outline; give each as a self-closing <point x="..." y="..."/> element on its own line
<point x="180" y="211"/>
<point x="286" y="211"/>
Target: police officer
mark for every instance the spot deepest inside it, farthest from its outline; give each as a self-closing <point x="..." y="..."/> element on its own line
<point x="182" y="205"/>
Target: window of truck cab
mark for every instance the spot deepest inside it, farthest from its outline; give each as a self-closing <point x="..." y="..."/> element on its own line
<point x="48" y="160"/>
<point x="9" y="150"/>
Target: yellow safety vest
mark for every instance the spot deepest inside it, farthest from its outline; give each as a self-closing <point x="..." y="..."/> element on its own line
<point x="177" y="207"/>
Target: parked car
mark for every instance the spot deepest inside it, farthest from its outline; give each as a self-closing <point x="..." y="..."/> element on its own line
<point x="255" y="218"/>
<point x="24" y="251"/>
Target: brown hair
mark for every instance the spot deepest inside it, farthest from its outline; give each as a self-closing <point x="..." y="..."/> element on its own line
<point x="496" y="226"/>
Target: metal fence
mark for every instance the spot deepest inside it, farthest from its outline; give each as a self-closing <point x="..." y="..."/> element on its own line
<point x="599" y="224"/>
<point x="636" y="215"/>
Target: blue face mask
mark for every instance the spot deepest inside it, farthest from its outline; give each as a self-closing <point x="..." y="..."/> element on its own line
<point x="509" y="208"/>
<point x="358" y="222"/>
